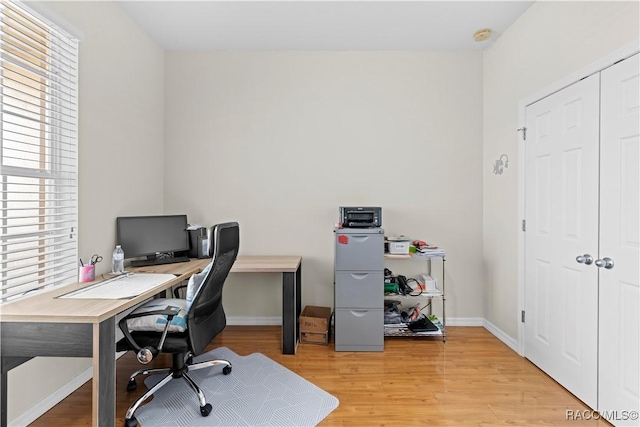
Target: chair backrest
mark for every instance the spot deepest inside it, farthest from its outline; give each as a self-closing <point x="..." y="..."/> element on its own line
<point x="206" y="317"/>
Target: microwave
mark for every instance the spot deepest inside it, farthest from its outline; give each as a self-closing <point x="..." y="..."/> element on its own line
<point x="360" y="217"/>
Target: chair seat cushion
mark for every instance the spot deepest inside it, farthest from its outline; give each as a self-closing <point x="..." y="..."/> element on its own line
<point x="157" y="322"/>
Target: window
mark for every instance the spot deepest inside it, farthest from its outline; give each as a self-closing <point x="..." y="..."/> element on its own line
<point x="38" y="153"/>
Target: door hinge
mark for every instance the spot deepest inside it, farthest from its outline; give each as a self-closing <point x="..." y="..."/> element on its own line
<point x="524" y="225"/>
<point x="522" y="317"/>
<point x="524" y="132"/>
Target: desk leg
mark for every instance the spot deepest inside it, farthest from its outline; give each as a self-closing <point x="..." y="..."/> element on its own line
<point x="104" y="373"/>
<point x="291" y="300"/>
<point x="298" y="299"/>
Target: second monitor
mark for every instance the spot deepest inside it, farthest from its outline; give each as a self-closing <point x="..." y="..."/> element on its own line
<point x="161" y="238"/>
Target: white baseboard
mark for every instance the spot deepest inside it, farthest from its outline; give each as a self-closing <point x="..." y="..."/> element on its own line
<point x="57" y="396"/>
<point x="276" y="321"/>
<point x="465" y="321"/>
<point x="254" y="321"/>
<point x="501" y="335"/>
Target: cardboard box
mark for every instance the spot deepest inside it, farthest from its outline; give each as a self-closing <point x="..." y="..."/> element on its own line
<point x="315" y="325"/>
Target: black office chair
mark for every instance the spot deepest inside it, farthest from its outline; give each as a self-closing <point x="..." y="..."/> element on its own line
<point x="205" y="319"/>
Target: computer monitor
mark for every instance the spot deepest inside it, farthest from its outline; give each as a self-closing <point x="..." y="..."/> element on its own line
<point x="152" y="235"/>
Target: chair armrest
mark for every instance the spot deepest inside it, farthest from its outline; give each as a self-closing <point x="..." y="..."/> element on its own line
<point x="170" y="311"/>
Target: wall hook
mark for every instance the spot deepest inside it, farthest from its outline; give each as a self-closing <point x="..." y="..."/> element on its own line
<point x="500" y="164"/>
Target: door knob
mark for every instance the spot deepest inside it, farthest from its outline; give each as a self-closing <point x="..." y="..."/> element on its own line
<point x="586" y="259"/>
<point x="605" y="262"/>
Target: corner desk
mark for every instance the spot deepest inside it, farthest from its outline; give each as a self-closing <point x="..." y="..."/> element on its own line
<point x="44" y="325"/>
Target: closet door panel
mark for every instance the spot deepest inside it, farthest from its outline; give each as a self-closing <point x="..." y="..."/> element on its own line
<point x="561" y="208"/>
<point x="619" y="291"/>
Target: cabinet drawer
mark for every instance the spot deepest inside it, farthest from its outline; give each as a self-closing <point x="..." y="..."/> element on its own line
<point x="359" y="330"/>
<point x="359" y="289"/>
<point x="359" y="251"/>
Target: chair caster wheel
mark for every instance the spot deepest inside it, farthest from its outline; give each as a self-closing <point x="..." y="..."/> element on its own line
<point x="132" y="386"/>
<point x="132" y="422"/>
<point x="189" y="360"/>
<point x="226" y="370"/>
<point x="204" y="410"/>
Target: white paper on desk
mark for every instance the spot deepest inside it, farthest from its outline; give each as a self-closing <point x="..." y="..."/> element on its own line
<point x="121" y="287"/>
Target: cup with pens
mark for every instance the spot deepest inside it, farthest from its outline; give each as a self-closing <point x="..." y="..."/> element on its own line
<point x="88" y="271"/>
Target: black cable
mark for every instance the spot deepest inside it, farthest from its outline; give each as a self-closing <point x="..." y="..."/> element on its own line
<point x="412" y="294"/>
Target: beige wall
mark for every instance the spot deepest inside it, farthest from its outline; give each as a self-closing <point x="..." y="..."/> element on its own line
<point x="279" y="140"/>
<point x="550" y="41"/>
<point x="120" y="145"/>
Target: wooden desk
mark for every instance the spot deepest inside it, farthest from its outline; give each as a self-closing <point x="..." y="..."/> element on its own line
<point x="43" y="325"/>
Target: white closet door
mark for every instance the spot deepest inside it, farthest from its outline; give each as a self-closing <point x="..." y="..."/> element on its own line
<point x="619" y="376"/>
<point x="561" y="207"/>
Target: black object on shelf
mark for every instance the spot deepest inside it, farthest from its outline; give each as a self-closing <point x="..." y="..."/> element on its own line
<point x="422" y="324"/>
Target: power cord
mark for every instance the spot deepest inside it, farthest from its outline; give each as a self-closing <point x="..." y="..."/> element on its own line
<point x="418" y="288"/>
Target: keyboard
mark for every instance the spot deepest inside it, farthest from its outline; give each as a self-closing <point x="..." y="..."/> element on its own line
<point x="159" y="261"/>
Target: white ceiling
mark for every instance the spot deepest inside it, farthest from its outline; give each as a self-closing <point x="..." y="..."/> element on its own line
<point x="322" y="25"/>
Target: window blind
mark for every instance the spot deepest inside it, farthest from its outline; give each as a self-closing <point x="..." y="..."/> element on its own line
<point x="38" y="153"/>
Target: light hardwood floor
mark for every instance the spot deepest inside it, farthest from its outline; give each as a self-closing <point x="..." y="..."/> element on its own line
<point x="471" y="380"/>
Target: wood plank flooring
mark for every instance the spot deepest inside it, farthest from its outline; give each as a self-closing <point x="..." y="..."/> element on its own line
<point x="471" y="380"/>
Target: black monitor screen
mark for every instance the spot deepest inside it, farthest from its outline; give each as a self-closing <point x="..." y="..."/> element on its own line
<point x="148" y="235"/>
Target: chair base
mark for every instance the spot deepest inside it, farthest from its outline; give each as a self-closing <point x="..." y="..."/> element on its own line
<point x="205" y="408"/>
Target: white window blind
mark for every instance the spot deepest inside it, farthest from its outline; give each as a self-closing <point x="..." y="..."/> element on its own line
<point x="38" y="153"/>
